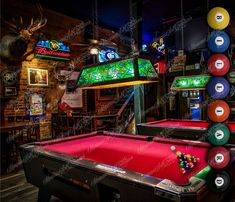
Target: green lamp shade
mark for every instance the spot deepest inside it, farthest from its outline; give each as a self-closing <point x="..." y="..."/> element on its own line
<point x="117" y="73"/>
<point x="198" y="82"/>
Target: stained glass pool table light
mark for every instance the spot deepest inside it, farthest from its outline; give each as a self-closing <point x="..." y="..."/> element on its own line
<point x="117" y="73"/>
<point x="198" y="82"/>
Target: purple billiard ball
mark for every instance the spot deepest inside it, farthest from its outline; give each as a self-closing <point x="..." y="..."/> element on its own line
<point x="178" y="156"/>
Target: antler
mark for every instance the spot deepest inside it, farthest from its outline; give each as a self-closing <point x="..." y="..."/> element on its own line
<point x="11" y="25"/>
<point x="38" y="24"/>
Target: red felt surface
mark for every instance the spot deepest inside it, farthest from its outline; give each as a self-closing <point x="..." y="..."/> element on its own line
<point x="151" y="158"/>
<point x="186" y="124"/>
<point x="180" y="124"/>
<point x="231" y="126"/>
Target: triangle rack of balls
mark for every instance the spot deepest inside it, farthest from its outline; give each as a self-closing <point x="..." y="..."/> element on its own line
<point x="186" y="161"/>
<point x="218" y="88"/>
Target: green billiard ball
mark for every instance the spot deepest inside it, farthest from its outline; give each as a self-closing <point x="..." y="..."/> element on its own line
<point x="181" y="165"/>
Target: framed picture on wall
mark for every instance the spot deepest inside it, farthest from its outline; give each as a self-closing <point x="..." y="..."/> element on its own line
<point x="37" y="77"/>
<point x="35" y="105"/>
<point x="107" y="94"/>
<point x="10" y="91"/>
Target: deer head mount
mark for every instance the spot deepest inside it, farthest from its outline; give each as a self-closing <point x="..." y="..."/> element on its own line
<point x="14" y="45"/>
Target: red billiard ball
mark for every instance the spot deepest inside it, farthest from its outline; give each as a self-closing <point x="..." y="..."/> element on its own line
<point x="191" y="165"/>
<point x="218" y="157"/>
<point x="189" y="160"/>
<point x="183" y="171"/>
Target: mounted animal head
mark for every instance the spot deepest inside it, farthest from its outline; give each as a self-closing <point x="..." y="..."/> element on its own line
<point x="14" y="45"/>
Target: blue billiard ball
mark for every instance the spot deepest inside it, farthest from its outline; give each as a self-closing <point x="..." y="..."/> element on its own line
<point x="187" y="167"/>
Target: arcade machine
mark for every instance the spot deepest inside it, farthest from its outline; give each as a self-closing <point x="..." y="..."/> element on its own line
<point x="190" y="102"/>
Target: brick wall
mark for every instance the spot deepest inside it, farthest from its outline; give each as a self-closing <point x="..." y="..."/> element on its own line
<point x="58" y="27"/>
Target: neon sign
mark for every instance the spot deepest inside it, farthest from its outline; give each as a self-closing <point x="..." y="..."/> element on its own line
<point x="107" y="55"/>
<point x="144" y="47"/>
<point x="159" y="46"/>
<point x="52" y="49"/>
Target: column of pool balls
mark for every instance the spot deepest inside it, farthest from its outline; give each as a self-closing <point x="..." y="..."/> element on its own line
<point x="218" y="88"/>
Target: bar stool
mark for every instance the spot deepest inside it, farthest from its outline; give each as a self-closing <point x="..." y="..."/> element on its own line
<point x="14" y="138"/>
<point x="9" y="151"/>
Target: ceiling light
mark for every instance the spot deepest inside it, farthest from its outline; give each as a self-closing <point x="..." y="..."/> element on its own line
<point x="94" y="51"/>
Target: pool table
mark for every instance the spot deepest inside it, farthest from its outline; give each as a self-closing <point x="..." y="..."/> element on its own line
<point x="181" y="129"/>
<point x="105" y="166"/>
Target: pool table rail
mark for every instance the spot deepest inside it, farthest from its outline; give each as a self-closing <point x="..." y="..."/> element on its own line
<point x="177" y="131"/>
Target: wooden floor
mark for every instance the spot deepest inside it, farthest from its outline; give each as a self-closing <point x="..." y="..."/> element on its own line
<point x="15" y="188"/>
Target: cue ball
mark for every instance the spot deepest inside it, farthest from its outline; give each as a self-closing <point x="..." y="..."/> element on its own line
<point x="172" y="148"/>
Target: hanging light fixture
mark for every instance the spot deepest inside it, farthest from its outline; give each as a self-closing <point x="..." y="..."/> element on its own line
<point x="94" y="51"/>
<point x="117" y="73"/>
<point x="190" y="82"/>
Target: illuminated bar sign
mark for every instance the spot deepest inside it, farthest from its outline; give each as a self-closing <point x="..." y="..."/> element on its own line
<point x="107" y="55"/>
<point x="190" y="82"/>
<point x="53" y="50"/>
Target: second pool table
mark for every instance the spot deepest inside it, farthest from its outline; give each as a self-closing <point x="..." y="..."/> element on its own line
<point x="181" y="129"/>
